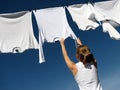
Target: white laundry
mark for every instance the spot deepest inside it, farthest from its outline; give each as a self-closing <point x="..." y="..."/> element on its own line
<point x="81" y="15"/>
<point x="41" y="42"/>
<point x="16" y="32"/>
<point x="87" y="77"/>
<point x="53" y="25"/>
<point x="103" y="12"/>
<point x="98" y="15"/>
<point x="107" y="27"/>
<point x="109" y="9"/>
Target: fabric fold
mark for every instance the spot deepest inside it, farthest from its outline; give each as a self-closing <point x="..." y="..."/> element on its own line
<point x="16" y="32"/>
<point x="52" y="24"/>
<point x="107" y="27"/>
<point x="81" y="15"/>
<point x="109" y="9"/>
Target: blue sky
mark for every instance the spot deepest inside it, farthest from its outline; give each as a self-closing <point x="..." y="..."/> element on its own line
<point x="23" y="72"/>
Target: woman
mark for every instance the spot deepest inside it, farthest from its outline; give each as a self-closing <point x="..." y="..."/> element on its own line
<point x="85" y="71"/>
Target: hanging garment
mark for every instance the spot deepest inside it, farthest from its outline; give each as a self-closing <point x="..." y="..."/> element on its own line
<point x="41" y="42"/>
<point x="103" y="12"/>
<point x="107" y="27"/>
<point x="97" y="15"/>
<point x="109" y="9"/>
<point x="81" y="14"/>
<point x="87" y="77"/>
<point x="16" y="32"/>
<point x="53" y="25"/>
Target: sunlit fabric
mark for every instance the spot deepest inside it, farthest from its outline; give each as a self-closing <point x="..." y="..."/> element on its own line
<point x="16" y="32"/>
<point x="87" y="77"/>
<point x="53" y="26"/>
<point x="81" y="14"/>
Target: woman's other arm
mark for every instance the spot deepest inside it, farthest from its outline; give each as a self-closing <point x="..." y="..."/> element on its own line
<point x="70" y="64"/>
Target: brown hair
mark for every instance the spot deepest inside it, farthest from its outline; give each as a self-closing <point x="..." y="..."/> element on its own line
<point x="84" y="55"/>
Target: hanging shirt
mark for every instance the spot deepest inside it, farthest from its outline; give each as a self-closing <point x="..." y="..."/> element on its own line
<point x="109" y="9"/>
<point x="87" y="77"/>
<point x="16" y="32"/>
<point x="98" y="15"/>
<point x="53" y="25"/>
<point x="107" y="27"/>
<point x="104" y="12"/>
<point x="81" y="14"/>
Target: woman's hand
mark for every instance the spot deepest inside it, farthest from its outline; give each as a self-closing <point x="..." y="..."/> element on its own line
<point x="62" y="41"/>
<point x="79" y="42"/>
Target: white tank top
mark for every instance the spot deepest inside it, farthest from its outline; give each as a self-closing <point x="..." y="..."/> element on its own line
<point x="87" y="77"/>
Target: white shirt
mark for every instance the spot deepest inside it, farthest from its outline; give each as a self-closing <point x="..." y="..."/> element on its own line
<point x="81" y="14"/>
<point x="16" y="32"/>
<point x="107" y="27"/>
<point x="108" y="10"/>
<point x="52" y="25"/>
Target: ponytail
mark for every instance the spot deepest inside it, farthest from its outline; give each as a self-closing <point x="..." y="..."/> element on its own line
<point x="84" y="55"/>
<point x="88" y="58"/>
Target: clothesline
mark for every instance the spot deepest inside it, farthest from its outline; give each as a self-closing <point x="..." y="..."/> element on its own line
<point x="18" y="29"/>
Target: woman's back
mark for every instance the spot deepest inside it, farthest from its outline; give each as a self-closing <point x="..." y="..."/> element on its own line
<point x="87" y="77"/>
<point x="85" y="71"/>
